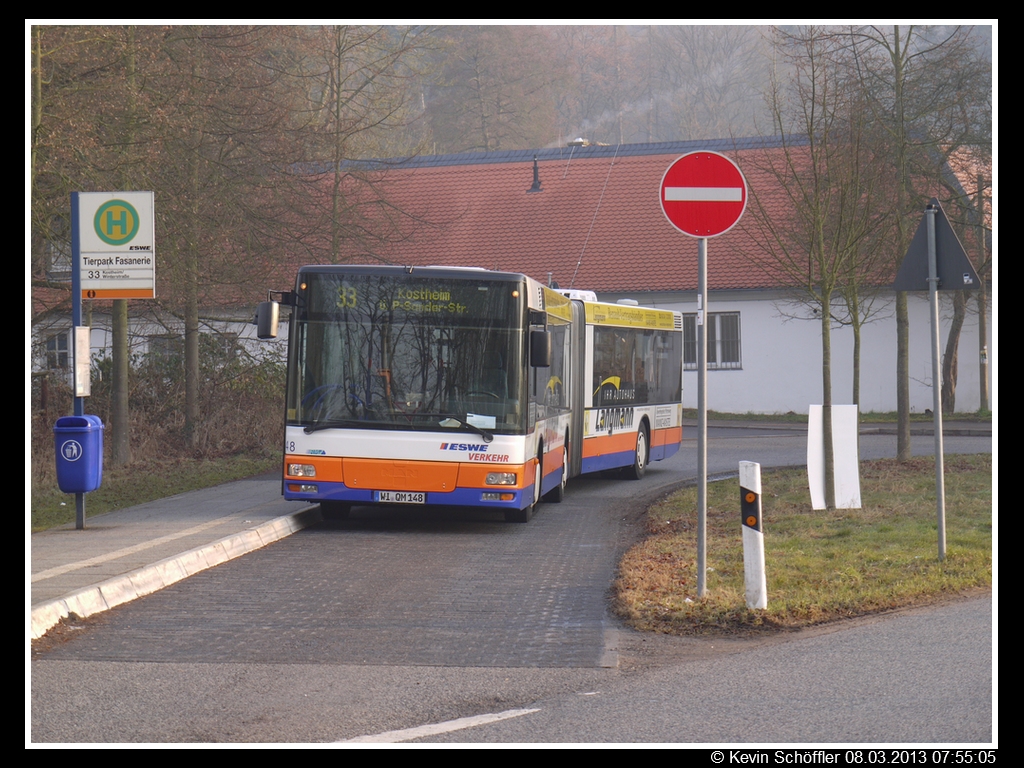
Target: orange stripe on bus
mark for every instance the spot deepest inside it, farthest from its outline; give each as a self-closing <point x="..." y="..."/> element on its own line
<point x="395" y="475"/>
<point x="552" y="461"/>
<point x="599" y="445"/>
<point x="667" y="436"/>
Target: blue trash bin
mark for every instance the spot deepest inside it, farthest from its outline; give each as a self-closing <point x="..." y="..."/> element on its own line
<point x="79" y="444"/>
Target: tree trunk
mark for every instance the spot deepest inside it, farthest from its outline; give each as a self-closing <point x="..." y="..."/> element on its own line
<point x="855" y="324"/>
<point x="983" y="347"/>
<point x="903" y="189"/>
<point x="191" y="276"/>
<point x="826" y="401"/>
<point x="950" y="357"/>
<point x="902" y="378"/>
<point x="979" y="203"/>
<point x="120" y="445"/>
<point x="191" y="287"/>
<point x="120" y="441"/>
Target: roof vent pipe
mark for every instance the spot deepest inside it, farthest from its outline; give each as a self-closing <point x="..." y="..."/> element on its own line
<point x="536" y="178"/>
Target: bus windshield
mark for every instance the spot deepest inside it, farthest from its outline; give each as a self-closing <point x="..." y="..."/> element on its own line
<point x="403" y="351"/>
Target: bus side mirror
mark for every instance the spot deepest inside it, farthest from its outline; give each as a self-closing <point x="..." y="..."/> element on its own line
<point x="267" y="316"/>
<point x="540" y="349"/>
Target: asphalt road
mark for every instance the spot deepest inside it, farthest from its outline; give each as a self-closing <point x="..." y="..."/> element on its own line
<point x="394" y="620"/>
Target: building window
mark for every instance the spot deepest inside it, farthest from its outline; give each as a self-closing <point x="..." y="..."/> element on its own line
<point x="58" y="250"/>
<point x="723" y="341"/>
<point x="166" y="349"/>
<point x="57" y="352"/>
<point x="226" y="346"/>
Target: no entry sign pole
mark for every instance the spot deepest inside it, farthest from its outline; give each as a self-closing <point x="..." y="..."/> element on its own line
<point x="702" y="418"/>
<point x="703" y="194"/>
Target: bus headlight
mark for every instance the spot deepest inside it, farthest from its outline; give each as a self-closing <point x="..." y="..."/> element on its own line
<point x="501" y="478"/>
<point x="302" y="470"/>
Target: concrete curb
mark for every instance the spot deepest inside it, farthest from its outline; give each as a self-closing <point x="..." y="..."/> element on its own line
<point x="151" y="578"/>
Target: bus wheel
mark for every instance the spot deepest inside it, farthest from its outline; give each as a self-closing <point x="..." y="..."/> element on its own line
<point x="641" y="456"/>
<point x="335" y="510"/>
<point x="557" y="493"/>
<point x="524" y="515"/>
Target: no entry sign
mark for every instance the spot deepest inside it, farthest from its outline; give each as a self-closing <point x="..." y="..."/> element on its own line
<point x="703" y="194"/>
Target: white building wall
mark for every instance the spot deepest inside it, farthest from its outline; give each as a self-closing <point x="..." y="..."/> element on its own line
<point x="781" y="355"/>
<point x="781" y="359"/>
<point x="141" y="330"/>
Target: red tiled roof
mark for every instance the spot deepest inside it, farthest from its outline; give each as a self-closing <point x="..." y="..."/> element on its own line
<point x="596" y="224"/>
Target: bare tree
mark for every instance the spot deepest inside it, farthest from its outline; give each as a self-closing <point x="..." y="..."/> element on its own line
<point x="967" y="213"/>
<point x="925" y="89"/>
<point x="86" y="136"/>
<point x="708" y="80"/>
<point x="224" y="124"/>
<point x="585" y="102"/>
<point x="825" y="172"/>
<point x="359" y="86"/>
<point x="496" y="90"/>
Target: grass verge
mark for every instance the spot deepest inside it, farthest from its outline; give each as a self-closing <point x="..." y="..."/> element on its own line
<point x="140" y="482"/>
<point x="820" y="566"/>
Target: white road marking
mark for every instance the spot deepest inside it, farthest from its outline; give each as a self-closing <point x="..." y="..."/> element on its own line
<point x="393" y="737"/>
<point x="701" y="194"/>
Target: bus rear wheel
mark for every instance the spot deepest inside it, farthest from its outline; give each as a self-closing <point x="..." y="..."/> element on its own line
<point x="640" y="457"/>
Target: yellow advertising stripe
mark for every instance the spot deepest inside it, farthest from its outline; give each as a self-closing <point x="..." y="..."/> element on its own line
<point x="558" y="305"/>
<point x="632" y="317"/>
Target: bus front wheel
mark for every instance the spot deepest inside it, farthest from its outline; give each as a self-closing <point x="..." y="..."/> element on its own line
<point x="524" y="515"/>
<point x="335" y="510"/>
<point x="557" y="493"/>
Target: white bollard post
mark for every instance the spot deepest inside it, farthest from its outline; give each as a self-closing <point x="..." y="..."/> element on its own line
<point x="753" y="535"/>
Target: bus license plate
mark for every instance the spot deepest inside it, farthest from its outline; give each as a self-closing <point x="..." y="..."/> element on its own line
<point x="400" y="497"/>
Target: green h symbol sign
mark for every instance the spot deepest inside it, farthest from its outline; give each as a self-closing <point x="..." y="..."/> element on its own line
<point x="121" y="221"/>
<point x="116" y="222"/>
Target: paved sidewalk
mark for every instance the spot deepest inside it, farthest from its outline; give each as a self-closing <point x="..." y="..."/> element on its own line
<point x="132" y="552"/>
<point x="136" y="551"/>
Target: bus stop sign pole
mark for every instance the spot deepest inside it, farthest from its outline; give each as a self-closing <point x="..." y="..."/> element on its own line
<point x="76" y="322"/>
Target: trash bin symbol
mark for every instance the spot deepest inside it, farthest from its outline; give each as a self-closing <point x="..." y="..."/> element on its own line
<point x="71" y="450"/>
<point x="79" y="448"/>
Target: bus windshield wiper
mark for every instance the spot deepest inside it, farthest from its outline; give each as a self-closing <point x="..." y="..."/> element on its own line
<point x="334" y="423"/>
<point x="487" y="436"/>
<point x="454" y="422"/>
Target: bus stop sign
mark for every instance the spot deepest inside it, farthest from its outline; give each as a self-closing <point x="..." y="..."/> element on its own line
<point x="703" y="194"/>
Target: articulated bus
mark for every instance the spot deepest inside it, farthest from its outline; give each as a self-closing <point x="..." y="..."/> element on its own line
<point x="467" y="387"/>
